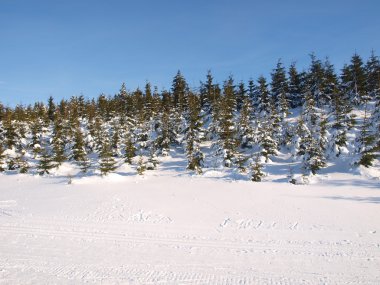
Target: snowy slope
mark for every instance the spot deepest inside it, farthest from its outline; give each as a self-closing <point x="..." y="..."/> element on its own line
<point x="169" y="227"/>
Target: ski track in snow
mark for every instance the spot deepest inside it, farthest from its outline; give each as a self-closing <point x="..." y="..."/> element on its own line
<point x="206" y="232"/>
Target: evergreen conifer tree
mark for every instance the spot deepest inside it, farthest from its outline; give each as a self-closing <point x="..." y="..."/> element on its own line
<point x="107" y="163"/>
<point x="256" y="170"/>
<point x="130" y="150"/>
<point x="58" y="141"/>
<point x="2" y="157"/>
<point x="45" y="163"/>
<point x="227" y="129"/>
<point x="194" y="135"/>
<point x="245" y="127"/>
<point x="280" y="89"/>
<point x="372" y="70"/>
<point x="295" y="87"/>
<point x="141" y="166"/>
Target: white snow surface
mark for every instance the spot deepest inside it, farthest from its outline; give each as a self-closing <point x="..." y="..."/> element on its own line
<point x="170" y="227"/>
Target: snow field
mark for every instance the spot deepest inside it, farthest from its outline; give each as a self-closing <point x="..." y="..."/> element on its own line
<point x="159" y="229"/>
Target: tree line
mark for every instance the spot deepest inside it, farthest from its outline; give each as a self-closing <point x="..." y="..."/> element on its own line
<point x="311" y="115"/>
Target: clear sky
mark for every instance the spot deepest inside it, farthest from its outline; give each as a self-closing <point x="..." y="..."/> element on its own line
<point x="69" y="47"/>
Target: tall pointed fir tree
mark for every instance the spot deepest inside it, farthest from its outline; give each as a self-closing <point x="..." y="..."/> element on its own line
<point x="263" y="103"/>
<point x="194" y="135"/>
<point x="46" y="163"/>
<point x="330" y="83"/>
<point x="180" y="93"/>
<point x="207" y="93"/>
<point x="245" y="130"/>
<point x="354" y="79"/>
<point x="2" y="157"/>
<point x="141" y="167"/>
<point x="372" y="70"/>
<point x="36" y="133"/>
<point x="130" y="149"/>
<point x="256" y="170"/>
<point x="279" y="90"/>
<point x="366" y="141"/>
<point x="79" y="153"/>
<point x="164" y="133"/>
<point x="340" y="123"/>
<point x="107" y="162"/>
<point x="241" y="94"/>
<point x="314" y="141"/>
<point x="295" y="87"/>
<point x="51" y="108"/>
<point x="58" y="141"/>
<point x="226" y="147"/>
<point x="315" y="80"/>
<point x="11" y="135"/>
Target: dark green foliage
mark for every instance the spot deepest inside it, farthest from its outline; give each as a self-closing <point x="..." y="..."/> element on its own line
<point x="227" y="128"/>
<point x="45" y="164"/>
<point x="194" y="135"/>
<point x="245" y="126"/>
<point x="51" y="108"/>
<point x="280" y="89"/>
<point x="263" y="99"/>
<point x="372" y="70"/>
<point x="235" y="121"/>
<point x="130" y="150"/>
<point x="107" y="163"/>
<point x="141" y="166"/>
<point x="267" y="143"/>
<point x="180" y="92"/>
<point x="354" y="79"/>
<point x="22" y="163"/>
<point x="367" y="146"/>
<point x="10" y="131"/>
<point x="295" y="87"/>
<point x="256" y="170"/>
<point x="2" y="157"/>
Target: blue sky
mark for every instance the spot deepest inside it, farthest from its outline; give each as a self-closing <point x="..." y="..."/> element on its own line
<point x="65" y="48"/>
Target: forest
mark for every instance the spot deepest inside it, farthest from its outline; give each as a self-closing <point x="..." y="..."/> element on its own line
<point x="315" y="116"/>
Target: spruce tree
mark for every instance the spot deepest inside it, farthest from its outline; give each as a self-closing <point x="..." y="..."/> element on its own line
<point x="22" y="163"/>
<point x="51" y="109"/>
<point x="45" y="163"/>
<point x="79" y="153"/>
<point x="263" y="99"/>
<point x="130" y="150"/>
<point x="267" y="143"/>
<point x="11" y="136"/>
<point x="227" y="129"/>
<point x="180" y="92"/>
<point x="2" y="157"/>
<point x="372" y="70"/>
<point x="315" y="80"/>
<point x="245" y="126"/>
<point x="107" y="163"/>
<point x="354" y="79"/>
<point x="36" y="132"/>
<point x="279" y="91"/>
<point x="141" y="166"/>
<point x="256" y="170"/>
<point x="366" y="141"/>
<point x="295" y="87"/>
<point x="58" y="141"/>
<point x="194" y="135"/>
<point x="241" y="94"/>
<point x="340" y="126"/>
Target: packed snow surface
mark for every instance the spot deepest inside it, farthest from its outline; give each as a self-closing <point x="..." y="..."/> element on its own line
<point x="182" y="229"/>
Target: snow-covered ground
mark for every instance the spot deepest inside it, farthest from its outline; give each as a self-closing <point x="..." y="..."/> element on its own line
<point x="169" y="227"/>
